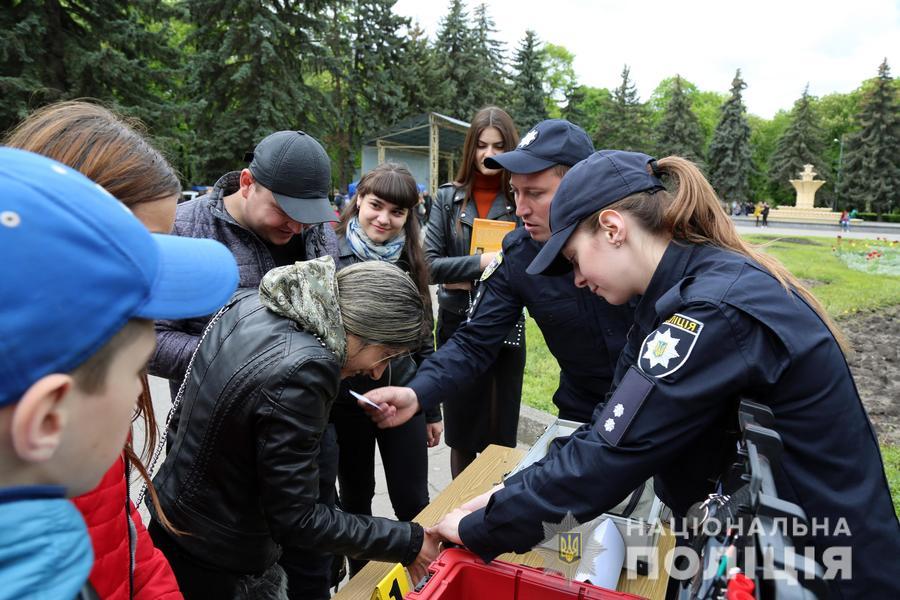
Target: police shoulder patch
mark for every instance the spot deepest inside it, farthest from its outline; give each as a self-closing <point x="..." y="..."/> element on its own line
<point x="492" y="266"/>
<point x="623" y="406"/>
<point x="668" y="347"/>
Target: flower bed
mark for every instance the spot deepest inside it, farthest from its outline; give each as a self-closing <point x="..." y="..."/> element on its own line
<point x="879" y="256"/>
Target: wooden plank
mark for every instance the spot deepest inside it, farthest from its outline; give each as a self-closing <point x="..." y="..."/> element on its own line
<point x="485" y="472"/>
<point x="433" y="156"/>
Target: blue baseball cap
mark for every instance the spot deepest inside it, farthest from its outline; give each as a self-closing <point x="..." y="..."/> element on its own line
<point x="77" y="265"/>
<point x="596" y="182"/>
<point x="551" y="142"/>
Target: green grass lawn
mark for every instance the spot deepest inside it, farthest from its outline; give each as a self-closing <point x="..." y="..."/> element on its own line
<point x="843" y="290"/>
<point x="870" y="284"/>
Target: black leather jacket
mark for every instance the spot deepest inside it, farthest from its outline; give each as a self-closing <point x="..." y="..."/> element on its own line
<point x="242" y="476"/>
<point x="447" y="246"/>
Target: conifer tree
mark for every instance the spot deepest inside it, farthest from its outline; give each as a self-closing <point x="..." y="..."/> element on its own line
<point x="120" y="53"/>
<point x="529" y="104"/>
<point x="871" y="171"/>
<point x="488" y="79"/>
<point x="455" y="63"/>
<point x="246" y="77"/>
<point x="624" y="126"/>
<point x="573" y="111"/>
<point x="678" y="132"/>
<point x="422" y="88"/>
<point x="729" y="152"/>
<point x="801" y="143"/>
<point x="373" y="80"/>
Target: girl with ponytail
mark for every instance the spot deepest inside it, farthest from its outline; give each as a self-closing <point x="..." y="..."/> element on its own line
<point x="716" y="321"/>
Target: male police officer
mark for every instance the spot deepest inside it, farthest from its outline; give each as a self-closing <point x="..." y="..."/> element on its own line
<point x="582" y="331"/>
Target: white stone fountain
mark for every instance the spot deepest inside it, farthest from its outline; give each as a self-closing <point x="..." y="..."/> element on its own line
<point x="805" y="209"/>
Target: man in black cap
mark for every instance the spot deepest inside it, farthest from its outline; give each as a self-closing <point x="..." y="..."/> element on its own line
<point x="270" y="214"/>
<point x="273" y="213"/>
<point x="563" y="312"/>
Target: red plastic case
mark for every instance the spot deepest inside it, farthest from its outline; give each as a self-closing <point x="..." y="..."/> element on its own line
<point x="460" y="575"/>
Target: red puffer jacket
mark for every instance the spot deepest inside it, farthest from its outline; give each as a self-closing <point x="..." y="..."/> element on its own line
<point x="103" y="509"/>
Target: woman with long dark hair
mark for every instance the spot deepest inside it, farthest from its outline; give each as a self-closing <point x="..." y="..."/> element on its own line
<point x="489" y="413"/>
<point x="379" y="223"/>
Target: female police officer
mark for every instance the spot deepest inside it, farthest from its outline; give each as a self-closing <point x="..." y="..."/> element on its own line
<point x="716" y="321"/>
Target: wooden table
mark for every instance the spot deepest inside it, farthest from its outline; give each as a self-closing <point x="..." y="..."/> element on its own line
<point x="486" y="471"/>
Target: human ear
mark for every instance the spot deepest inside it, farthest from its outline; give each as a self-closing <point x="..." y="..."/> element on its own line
<point x="39" y="418"/>
<point x="246" y="180"/>
<point x="613" y="226"/>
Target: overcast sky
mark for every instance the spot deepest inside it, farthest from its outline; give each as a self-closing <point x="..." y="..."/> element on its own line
<point x="779" y="45"/>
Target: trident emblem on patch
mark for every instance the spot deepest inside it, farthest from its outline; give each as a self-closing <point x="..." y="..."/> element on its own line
<point x="570" y="547"/>
<point x="660" y="348"/>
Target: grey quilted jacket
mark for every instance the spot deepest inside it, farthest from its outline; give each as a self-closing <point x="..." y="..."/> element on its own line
<point x="206" y="217"/>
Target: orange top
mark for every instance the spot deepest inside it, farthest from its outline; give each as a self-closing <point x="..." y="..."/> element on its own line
<point x="484" y="190"/>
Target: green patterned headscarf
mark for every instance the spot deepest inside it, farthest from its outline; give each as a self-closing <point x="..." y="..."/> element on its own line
<point x="307" y="293"/>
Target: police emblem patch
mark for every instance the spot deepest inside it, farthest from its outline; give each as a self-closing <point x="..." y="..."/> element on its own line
<point x="529" y="137"/>
<point x="667" y="348"/>
<point x="492" y="266"/>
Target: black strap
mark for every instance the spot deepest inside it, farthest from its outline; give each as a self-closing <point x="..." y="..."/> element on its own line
<point x="636" y="496"/>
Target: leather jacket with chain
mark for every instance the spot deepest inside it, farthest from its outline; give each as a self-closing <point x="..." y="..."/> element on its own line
<point x="242" y="476"/>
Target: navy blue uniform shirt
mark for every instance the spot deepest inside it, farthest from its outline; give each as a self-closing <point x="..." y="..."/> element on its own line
<point x="583" y="332"/>
<point x="713" y="327"/>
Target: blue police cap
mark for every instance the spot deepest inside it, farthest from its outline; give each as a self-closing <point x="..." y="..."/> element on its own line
<point x="596" y="182"/>
<point x="551" y="142"/>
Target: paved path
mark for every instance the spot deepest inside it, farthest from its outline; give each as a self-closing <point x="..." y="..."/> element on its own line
<point x="891" y="231"/>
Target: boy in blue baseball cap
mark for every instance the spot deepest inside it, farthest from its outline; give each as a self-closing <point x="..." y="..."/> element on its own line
<point x="81" y="280"/>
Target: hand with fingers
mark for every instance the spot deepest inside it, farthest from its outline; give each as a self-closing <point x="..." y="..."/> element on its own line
<point x="433" y="433"/>
<point x="396" y="405"/>
<point x="448" y="527"/>
<point x="429" y="551"/>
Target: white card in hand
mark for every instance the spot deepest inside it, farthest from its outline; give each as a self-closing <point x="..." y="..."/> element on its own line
<point x="364" y="399"/>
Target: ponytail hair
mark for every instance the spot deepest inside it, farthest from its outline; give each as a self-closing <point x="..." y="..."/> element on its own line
<point x="695" y="216"/>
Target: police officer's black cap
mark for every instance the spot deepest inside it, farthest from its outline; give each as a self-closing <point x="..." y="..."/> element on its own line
<point x="596" y="182"/>
<point x="297" y="170"/>
<point x="551" y="142"/>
